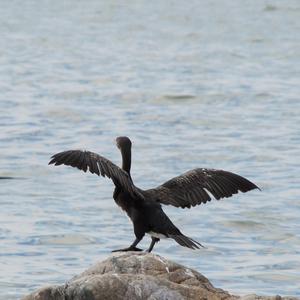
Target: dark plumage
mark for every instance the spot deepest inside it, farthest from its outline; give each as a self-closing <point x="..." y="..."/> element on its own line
<point x="144" y="206"/>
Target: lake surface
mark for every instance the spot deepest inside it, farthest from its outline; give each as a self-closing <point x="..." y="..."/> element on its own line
<point x="197" y="84"/>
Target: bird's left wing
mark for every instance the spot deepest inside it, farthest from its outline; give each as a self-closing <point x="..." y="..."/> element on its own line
<point x="192" y="187"/>
<point x="96" y="164"/>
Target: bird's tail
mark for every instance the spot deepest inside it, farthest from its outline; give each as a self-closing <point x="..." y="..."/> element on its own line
<point x="186" y="241"/>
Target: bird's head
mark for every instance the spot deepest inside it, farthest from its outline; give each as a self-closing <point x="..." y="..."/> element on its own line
<point x="123" y="142"/>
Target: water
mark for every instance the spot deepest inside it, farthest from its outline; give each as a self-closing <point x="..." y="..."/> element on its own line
<point x="199" y="84"/>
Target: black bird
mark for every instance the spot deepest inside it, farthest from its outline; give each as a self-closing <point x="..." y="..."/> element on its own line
<point x="144" y="206"/>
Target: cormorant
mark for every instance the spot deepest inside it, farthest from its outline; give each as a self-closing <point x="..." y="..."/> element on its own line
<point x="144" y="206"/>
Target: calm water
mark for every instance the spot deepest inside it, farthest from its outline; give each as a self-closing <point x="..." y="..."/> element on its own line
<point x="199" y="84"/>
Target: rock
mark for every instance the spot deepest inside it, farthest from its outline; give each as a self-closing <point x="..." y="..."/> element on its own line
<point x="137" y="275"/>
<point x="255" y="297"/>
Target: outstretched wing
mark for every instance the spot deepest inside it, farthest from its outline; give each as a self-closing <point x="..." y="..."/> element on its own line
<point x="96" y="164"/>
<point x="192" y="187"/>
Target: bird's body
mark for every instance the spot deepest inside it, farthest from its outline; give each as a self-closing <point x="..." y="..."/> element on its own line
<point x="143" y="207"/>
<point x="148" y="217"/>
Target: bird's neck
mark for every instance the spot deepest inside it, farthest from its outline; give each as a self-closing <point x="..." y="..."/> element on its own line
<point x="126" y="160"/>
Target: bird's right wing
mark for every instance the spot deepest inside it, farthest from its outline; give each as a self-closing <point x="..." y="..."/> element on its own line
<point x="191" y="188"/>
<point x="96" y="164"/>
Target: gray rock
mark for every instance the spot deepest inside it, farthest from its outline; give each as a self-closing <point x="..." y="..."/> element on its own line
<point x="137" y="276"/>
<point x="255" y="297"/>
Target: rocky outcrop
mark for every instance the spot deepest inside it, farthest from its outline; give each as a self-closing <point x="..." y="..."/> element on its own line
<point x="137" y="275"/>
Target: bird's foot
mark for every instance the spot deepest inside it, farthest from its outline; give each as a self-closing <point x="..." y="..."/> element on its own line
<point x="135" y="249"/>
<point x="128" y="249"/>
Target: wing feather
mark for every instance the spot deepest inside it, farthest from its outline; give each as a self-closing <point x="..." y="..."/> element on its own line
<point x="82" y="162"/>
<point x="93" y="166"/>
<point x="194" y="187"/>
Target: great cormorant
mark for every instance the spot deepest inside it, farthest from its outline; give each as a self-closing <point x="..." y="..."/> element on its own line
<point x="144" y="206"/>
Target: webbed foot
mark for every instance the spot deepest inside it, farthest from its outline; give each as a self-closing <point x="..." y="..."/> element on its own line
<point x="128" y="249"/>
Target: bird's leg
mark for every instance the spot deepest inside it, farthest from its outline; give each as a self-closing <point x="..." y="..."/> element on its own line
<point x="153" y="242"/>
<point x="132" y="247"/>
